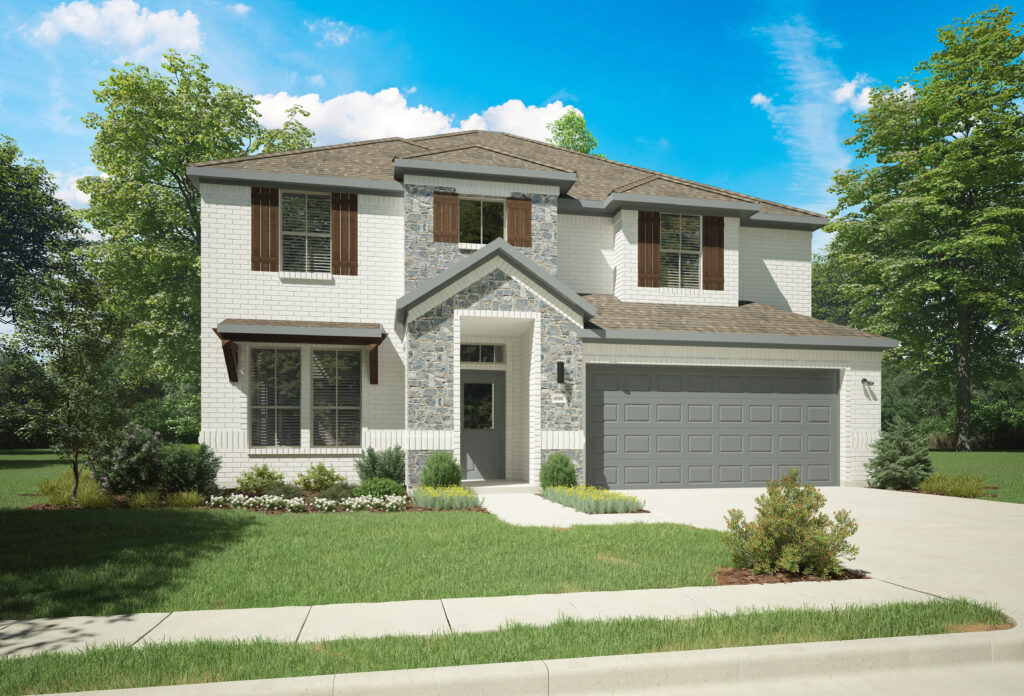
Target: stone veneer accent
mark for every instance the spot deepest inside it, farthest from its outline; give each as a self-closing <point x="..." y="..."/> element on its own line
<point x="577" y="458"/>
<point x="425" y="258"/>
<point x="415" y="461"/>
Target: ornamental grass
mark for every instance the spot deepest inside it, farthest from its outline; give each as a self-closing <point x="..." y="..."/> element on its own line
<point x="445" y="498"/>
<point x="593" y="500"/>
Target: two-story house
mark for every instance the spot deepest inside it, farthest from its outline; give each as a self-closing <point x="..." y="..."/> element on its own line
<point x="502" y="298"/>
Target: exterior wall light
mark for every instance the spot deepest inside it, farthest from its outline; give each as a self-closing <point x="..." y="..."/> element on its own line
<point x="867" y="382"/>
<point x="560" y="367"/>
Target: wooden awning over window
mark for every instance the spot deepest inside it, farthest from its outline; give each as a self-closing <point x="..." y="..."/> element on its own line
<point x="232" y="331"/>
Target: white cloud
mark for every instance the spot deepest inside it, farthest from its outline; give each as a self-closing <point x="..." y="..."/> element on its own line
<point x="854" y="92"/>
<point x="516" y="117"/>
<point x="330" y="31"/>
<point x="67" y="189"/>
<point x="387" y="113"/>
<point x="122" y="24"/>
<point x="239" y="9"/>
<point x="317" y="80"/>
<point x="907" y="90"/>
<point x="761" y="100"/>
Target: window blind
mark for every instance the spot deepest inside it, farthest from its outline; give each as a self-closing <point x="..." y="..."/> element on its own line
<point x="274" y="397"/>
<point x="337" y="383"/>
<point x="306" y="232"/>
<point x="680" y="251"/>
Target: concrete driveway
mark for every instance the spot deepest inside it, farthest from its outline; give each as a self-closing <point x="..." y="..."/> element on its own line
<point x="946" y="546"/>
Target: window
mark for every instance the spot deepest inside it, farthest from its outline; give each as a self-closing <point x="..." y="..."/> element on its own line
<point x="474" y="353"/>
<point x="306" y="232"/>
<point x="478" y="407"/>
<point x="274" y="403"/>
<point x="337" y="380"/>
<point x="680" y="251"/>
<point x="481" y="222"/>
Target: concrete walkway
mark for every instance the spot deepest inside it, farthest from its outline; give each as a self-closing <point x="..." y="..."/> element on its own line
<point x="426" y="617"/>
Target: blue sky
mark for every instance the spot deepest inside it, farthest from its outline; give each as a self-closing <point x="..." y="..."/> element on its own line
<point x="755" y="97"/>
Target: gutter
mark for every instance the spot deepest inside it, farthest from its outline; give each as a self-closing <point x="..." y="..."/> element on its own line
<point x="248" y="177"/>
<point x="746" y="340"/>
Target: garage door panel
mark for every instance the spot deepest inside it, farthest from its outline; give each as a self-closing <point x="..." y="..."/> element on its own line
<point x="745" y="426"/>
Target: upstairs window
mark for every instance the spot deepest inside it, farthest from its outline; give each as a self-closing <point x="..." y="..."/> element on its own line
<point x="481" y="221"/>
<point x="274" y="397"/>
<point x="680" y="251"/>
<point x="337" y="380"/>
<point x="306" y="232"/>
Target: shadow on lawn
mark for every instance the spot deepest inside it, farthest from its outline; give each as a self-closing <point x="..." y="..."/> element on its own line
<point x="12" y="460"/>
<point x="98" y="562"/>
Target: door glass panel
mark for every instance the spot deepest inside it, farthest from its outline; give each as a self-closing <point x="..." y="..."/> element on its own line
<point x="478" y="406"/>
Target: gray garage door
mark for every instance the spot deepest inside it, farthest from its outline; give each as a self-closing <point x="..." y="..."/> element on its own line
<point x="676" y="427"/>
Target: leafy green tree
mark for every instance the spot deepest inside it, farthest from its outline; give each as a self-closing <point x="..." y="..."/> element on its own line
<point x="155" y="123"/>
<point x="827" y="299"/>
<point x="930" y="233"/>
<point x="20" y="374"/>
<point x="64" y="323"/>
<point x="31" y="216"/>
<point x="901" y="460"/>
<point x="570" y="131"/>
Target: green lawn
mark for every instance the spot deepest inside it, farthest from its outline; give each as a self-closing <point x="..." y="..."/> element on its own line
<point x="1002" y="469"/>
<point x="205" y="661"/>
<point x="21" y="471"/>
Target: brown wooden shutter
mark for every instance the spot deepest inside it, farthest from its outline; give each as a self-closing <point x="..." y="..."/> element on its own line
<point x="264" y="229"/>
<point x="344" y="234"/>
<point x="713" y="253"/>
<point x="520" y="210"/>
<point x="446" y="217"/>
<point x="649" y="250"/>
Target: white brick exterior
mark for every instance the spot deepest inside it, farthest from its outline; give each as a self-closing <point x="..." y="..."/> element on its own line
<point x="775" y="268"/>
<point x="860" y="415"/>
<point x="586" y="253"/>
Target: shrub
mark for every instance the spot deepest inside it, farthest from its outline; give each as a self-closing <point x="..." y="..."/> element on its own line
<point x="188" y="468"/>
<point x="284" y="490"/>
<point x="258" y="478"/>
<point x="790" y="532"/>
<point x="379" y="487"/>
<point x="90" y="493"/>
<point x="143" y="499"/>
<point x="593" y="500"/>
<point x="318" y="477"/>
<point x="961" y="485"/>
<point x="444" y="497"/>
<point x="901" y="458"/>
<point x="557" y="470"/>
<point x="441" y="469"/>
<point x="129" y="462"/>
<point x="389" y="464"/>
<point x="185" y="499"/>
<point x="336" y="492"/>
<point x="384" y="503"/>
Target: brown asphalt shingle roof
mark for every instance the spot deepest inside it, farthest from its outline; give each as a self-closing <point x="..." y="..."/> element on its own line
<point x="752" y="318"/>
<point x="596" y="177"/>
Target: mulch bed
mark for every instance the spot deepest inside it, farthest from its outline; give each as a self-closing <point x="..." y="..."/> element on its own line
<point x="745" y="576"/>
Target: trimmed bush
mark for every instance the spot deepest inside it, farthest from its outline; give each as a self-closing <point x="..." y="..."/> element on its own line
<point x="188" y="468"/>
<point x="790" y="532"/>
<point x="129" y="462"/>
<point x="143" y="499"/>
<point x="318" y="477"/>
<point x="557" y="470"/>
<point x="444" y="498"/>
<point x="256" y="479"/>
<point x="389" y="464"/>
<point x="961" y="485"/>
<point x="441" y="469"/>
<point x="90" y="493"/>
<point x="285" y="490"/>
<point x="185" y="499"/>
<point x="336" y="492"/>
<point x="593" y="500"/>
<point x="379" y="488"/>
<point x="901" y="460"/>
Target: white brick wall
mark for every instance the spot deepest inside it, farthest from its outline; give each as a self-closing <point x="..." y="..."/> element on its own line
<point x="775" y="268"/>
<point x="860" y="414"/>
<point x="231" y="290"/>
<point x="625" y="258"/>
<point x="585" y="253"/>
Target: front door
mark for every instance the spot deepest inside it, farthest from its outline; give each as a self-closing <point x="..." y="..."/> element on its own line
<point x="483" y="424"/>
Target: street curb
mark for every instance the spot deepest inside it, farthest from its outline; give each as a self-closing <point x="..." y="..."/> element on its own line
<point x="643" y="673"/>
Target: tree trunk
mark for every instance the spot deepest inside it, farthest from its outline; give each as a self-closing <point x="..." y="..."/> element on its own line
<point x="963" y="380"/>
<point x="74" y="472"/>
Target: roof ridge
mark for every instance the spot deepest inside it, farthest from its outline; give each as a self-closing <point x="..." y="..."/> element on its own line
<point x="633" y="184"/>
<point x="489" y="149"/>
<point x="318" y="148"/>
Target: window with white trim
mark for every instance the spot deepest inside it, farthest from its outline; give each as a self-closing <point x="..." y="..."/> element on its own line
<point x="680" y="251"/>
<point x="306" y="232"/>
<point x="481" y="353"/>
<point x="337" y="383"/>
<point x="480" y="221"/>
<point x="274" y="397"/>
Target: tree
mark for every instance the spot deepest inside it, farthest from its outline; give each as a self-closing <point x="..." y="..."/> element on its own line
<point x="154" y="124"/>
<point x="930" y="233"/>
<point x="63" y="322"/>
<point x="901" y="460"/>
<point x="20" y="374"/>
<point x="31" y="216"/>
<point x="570" y="131"/>
<point x="827" y="301"/>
